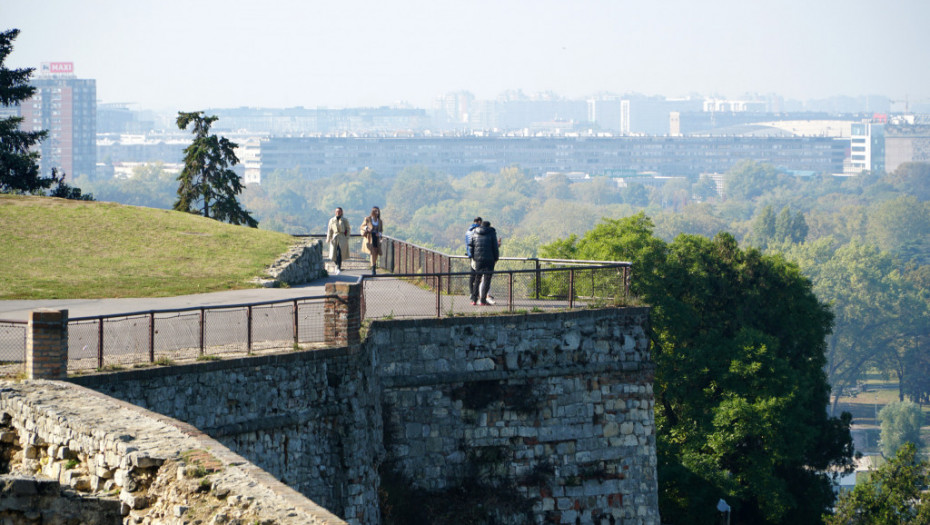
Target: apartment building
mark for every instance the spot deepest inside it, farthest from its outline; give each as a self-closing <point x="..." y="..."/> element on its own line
<point x="66" y="106"/>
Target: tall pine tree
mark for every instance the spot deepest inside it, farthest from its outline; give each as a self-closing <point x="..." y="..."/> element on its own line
<point x="19" y="168"/>
<point x="208" y="185"/>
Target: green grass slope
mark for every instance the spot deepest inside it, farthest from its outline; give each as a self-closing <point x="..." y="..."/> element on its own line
<point x="55" y="249"/>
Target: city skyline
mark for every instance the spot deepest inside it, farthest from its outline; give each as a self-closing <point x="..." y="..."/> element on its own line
<point x="185" y="56"/>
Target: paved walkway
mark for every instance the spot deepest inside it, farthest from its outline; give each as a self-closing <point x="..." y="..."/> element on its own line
<point x="19" y="310"/>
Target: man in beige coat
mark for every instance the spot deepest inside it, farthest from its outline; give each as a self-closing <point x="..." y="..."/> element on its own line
<point x="337" y="236"/>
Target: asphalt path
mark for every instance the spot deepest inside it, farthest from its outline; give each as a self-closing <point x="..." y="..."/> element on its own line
<point x="19" y="310"/>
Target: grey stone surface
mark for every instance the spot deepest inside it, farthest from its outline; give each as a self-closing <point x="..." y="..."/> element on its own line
<point x="301" y="264"/>
<point x="569" y="391"/>
<point x="559" y="405"/>
<point x="142" y="452"/>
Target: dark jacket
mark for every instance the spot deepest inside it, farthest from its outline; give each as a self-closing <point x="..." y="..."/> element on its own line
<point x="483" y="245"/>
<point x="468" y="235"/>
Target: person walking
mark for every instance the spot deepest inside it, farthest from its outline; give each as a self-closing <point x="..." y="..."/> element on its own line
<point x="485" y="253"/>
<point x="372" y="228"/>
<point x="473" y="274"/>
<point x="337" y="236"/>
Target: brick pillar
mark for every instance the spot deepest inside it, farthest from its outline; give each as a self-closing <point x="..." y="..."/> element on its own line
<point x="47" y="344"/>
<point x="342" y="314"/>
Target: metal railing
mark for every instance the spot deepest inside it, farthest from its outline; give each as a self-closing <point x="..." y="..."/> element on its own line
<point x="164" y="336"/>
<point x="441" y="283"/>
<point x="421" y="283"/>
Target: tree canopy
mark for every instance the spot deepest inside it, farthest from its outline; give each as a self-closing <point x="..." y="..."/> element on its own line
<point x="19" y="168"/>
<point x="207" y="184"/>
<point x="890" y="496"/>
<point x="901" y="423"/>
<point x="738" y="338"/>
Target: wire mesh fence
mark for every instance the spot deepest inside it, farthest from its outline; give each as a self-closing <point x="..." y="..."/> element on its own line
<point x="442" y="283"/>
<point x="447" y="294"/>
<point x="12" y="341"/>
<point x="166" y="336"/>
<point x="419" y="282"/>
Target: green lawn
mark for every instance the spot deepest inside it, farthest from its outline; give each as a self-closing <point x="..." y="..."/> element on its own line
<point x="55" y="248"/>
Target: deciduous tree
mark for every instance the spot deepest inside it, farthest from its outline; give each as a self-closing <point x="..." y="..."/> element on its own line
<point x="748" y="180"/>
<point x="890" y="496"/>
<point x="738" y="339"/>
<point x="901" y="422"/>
<point x="877" y="311"/>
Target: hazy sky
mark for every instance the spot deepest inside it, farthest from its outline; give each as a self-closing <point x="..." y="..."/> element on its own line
<point x="194" y="54"/>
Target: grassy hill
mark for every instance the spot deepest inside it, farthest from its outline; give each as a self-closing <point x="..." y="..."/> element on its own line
<point x="55" y="248"/>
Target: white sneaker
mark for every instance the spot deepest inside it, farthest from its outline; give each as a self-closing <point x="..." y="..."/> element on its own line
<point x="489" y="299"/>
<point x="336" y="271"/>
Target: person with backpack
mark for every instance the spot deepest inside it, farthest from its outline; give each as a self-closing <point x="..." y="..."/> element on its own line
<point x="485" y="253"/>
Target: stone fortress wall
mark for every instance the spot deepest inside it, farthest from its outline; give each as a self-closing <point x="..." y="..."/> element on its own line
<point x="553" y="411"/>
<point x="556" y="409"/>
<point x="71" y="455"/>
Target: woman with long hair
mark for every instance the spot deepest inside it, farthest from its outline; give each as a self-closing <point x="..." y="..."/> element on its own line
<point x="371" y="230"/>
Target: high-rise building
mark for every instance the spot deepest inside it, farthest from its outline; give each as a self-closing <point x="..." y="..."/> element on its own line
<point x="866" y="148"/>
<point x="66" y="106"/>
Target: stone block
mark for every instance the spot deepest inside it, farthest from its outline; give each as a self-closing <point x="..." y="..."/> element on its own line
<point x="134" y="501"/>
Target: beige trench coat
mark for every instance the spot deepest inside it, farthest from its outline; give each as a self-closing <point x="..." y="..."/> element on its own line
<point x="337" y="233"/>
<point x="366" y="225"/>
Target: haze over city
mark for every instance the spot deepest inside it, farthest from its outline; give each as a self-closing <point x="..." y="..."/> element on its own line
<point x="176" y="54"/>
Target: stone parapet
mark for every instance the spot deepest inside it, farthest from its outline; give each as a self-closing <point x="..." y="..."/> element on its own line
<point x="552" y="412"/>
<point x="301" y="264"/>
<point x="154" y="469"/>
<point x="309" y="418"/>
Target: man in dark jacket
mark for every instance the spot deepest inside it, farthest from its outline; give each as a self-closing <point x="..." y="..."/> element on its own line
<point x="472" y="276"/>
<point x="484" y="252"/>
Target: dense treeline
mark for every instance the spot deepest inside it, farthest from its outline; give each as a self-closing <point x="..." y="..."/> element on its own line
<point x="763" y="301"/>
<point x="739" y="341"/>
<point x="863" y="240"/>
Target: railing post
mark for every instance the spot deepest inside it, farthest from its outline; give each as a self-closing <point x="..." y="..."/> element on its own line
<point x="151" y="337"/>
<point x="203" y="331"/>
<point x="248" y="330"/>
<point x="538" y="279"/>
<point x="296" y="324"/>
<point x="361" y="301"/>
<point x="510" y="291"/>
<point x="627" y="277"/>
<point x="449" y="271"/>
<point x="438" y="281"/>
<point x="571" y="288"/>
<point x="100" y="342"/>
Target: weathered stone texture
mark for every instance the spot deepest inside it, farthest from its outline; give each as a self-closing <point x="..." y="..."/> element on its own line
<point x="149" y="467"/>
<point x="557" y="405"/>
<point x="310" y="419"/>
<point x="562" y="404"/>
<point x="26" y="500"/>
<point x="301" y="264"/>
